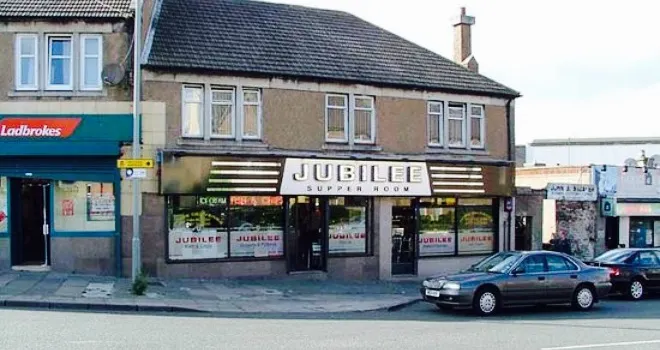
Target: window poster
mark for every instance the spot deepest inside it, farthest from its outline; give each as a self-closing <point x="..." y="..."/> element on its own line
<point x="195" y="235"/>
<point x="100" y="202"/>
<point x="4" y="204"/>
<point x="83" y="207"/>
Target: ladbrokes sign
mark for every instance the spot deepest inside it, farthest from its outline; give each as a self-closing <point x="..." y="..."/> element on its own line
<point x="12" y="127"/>
<point x="352" y="177"/>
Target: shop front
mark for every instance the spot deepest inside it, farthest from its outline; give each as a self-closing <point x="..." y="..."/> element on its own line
<point x="344" y="218"/>
<point x="58" y="185"/>
<point x="639" y="223"/>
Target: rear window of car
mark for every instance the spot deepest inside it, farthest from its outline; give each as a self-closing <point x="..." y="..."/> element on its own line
<point x="614" y="256"/>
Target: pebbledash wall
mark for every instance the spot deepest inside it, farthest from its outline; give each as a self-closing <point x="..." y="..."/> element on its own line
<point x="226" y="208"/>
<point x="77" y="157"/>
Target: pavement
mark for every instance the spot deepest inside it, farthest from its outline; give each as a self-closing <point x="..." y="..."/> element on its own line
<point x="243" y="296"/>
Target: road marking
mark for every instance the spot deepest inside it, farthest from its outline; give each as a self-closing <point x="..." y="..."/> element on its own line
<point x="607" y="345"/>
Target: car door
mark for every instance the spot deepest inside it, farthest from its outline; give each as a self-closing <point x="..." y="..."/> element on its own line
<point x="527" y="282"/>
<point x="653" y="269"/>
<point x="562" y="277"/>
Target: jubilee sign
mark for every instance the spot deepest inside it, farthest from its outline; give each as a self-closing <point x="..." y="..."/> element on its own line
<point x="352" y="177"/>
<point x="38" y="127"/>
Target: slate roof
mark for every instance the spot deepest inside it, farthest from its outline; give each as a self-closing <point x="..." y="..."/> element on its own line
<point x="259" y="38"/>
<point x="54" y="9"/>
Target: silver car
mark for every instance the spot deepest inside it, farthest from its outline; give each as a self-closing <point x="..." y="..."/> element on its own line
<point x="520" y="278"/>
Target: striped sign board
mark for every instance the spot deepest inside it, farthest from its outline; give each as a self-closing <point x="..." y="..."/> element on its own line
<point x="244" y="176"/>
<point x="456" y="179"/>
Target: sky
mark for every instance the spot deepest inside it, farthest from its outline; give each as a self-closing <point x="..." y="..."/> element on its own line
<point x="585" y="68"/>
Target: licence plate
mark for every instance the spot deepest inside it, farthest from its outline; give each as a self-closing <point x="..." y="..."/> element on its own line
<point x="433" y="293"/>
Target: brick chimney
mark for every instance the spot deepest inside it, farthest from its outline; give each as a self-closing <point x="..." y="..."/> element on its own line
<point x="463" y="41"/>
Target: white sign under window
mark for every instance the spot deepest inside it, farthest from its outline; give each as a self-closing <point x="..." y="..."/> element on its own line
<point x="189" y="244"/>
<point x="436" y="243"/>
<point x="348" y="238"/>
<point x="255" y="242"/>
<point x="475" y="241"/>
<point x="571" y="192"/>
<point x="352" y="177"/>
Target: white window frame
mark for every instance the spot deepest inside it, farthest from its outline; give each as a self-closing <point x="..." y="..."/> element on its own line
<point x="482" y="125"/>
<point x="441" y="122"/>
<point x="18" y="61"/>
<point x="232" y="103"/>
<point x="259" y="113"/>
<point x="345" y="109"/>
<point x="50" y="86"/>
<point x="372" y="120"/>
<point x="463" y="120"/>
<point x="98" y="56"/>
<point x="183" y="110"/>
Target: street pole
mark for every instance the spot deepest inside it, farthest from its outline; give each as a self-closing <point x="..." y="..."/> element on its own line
<point x="137" y="79"/>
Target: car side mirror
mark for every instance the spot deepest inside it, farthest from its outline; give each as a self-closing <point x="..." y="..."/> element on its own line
<point x="518" y="271"/>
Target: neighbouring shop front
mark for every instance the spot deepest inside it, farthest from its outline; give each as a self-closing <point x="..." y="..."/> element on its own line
<point x="335" y="216"/>
<point x="59" y="190"/>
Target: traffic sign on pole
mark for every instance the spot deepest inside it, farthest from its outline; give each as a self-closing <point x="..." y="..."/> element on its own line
<point x="135" y="163"/>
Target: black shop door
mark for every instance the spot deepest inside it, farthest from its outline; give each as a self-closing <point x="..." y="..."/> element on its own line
<point x="30" y="210"/>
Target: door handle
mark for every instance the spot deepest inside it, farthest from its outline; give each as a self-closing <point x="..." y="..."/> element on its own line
<point x="541" y="278"/>
<point x="573" y="276"/>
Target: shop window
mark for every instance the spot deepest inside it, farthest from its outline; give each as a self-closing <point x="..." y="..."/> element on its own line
<point x="349" y="225"/>
<point x="218" y="227"/>
<point x="437" y="227"/>
<point x="4" y="200"/>
<point x="84" y="207"/>
<point x="476" y="227"/>
<point x="641" y="233"/>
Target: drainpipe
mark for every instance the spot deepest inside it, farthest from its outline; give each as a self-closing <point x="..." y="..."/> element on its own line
<point x="512" y="157"/>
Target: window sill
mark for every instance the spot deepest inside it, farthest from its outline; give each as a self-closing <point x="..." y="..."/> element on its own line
<point x="460" y="151"/>
<point x="354" y="147"/>
<point x="199" y="142"/>
<point x="48" y="93"/>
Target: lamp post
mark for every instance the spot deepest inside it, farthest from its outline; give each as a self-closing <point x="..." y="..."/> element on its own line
<point x="135" y="243"/>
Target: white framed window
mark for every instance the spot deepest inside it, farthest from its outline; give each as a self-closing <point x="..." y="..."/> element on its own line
<point x="192" y="111"/>
<point x="60" y="63"/>
<point x="251" y="114"/>
<point x="91" y="61"/>
<point x="435" y="123"/>
<point x="364" y="119"/>
<point x="223" y="113"/>
<point x="456" y="125"/>
<point x="336" y="118"/>
<point x="477" y="126"/>
<point x="27" y="67"/>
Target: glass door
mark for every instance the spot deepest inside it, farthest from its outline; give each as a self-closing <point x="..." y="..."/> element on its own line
<point x="306" y="236"/>
<point x="403" y="237"/>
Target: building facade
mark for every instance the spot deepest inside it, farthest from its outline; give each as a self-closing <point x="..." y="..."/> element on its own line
<point x="305" y="151"/>
<point x="65" y="119"/>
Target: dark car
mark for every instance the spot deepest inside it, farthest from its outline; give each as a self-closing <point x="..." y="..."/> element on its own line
<point x="633" y="271"/>
<point x="520" y="278"/>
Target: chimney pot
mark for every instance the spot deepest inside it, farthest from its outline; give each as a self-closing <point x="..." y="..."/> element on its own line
<point x="463" y="41"/>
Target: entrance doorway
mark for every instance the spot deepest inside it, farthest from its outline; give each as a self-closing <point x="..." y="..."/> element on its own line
<point x="523" y="233"/>
<point x="307" y="239"/>
<point x="403" y="237"/>
<point x="30" y="215"/>
<point x="612" y="232"/>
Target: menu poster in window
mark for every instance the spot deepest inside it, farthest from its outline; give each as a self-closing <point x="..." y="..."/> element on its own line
<point x="347" y="238"/>
<point x="436" y="243"/>
<point x="197" y="244"/>
<point x="475" y="241"/>
<point x="256" y="242"/>
<point x="101" y="207"/>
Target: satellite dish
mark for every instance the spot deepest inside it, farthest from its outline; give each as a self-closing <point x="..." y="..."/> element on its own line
<point x="630" y="162"/>
<point x="652" y="162"/>
<point x="113" y="74"/>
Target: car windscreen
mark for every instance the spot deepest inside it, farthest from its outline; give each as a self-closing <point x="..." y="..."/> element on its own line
<point x="614" y="256"/>
<point x="489" y="262"/>
<point x="506" y="264"/>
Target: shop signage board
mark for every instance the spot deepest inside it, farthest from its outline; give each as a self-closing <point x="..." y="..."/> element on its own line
<point x="637" y="209"/>
<point x="572" y="192"/>
<point x="18" y="127"/>
<point x="354" y="177"/>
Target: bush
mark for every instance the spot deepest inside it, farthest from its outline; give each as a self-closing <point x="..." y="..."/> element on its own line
<point x="140" y="284"/>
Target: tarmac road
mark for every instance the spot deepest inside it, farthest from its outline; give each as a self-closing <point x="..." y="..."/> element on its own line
<point x="613" y="324"/>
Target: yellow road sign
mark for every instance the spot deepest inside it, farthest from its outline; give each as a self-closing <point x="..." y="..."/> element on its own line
<point x="135" y="163"/>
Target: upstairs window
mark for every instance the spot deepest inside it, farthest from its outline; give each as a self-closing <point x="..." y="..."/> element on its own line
<point x="456" y="125"/>
<point x="60" y="70"/>
<point x="213" y="113"/>
<point x="476" y="126"/>
<point x="26" y="62"/>
<point x="435" y="123"/>
<point x="91" y="60"/>
<point x="353" y="122"/>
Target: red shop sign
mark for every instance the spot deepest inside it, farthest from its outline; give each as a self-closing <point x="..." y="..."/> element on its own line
<point x="38" y="127"/>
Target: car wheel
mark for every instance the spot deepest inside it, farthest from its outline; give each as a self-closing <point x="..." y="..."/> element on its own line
<point x="636" y="289"/>
<point x="583" y="298"/>
<point x="444" y="307"/>
<point x="486" y="301"/>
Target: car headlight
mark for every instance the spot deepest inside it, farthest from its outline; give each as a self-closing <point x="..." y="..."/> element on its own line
<point x="451" y="286"/>
<point x="436" y="284"/>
